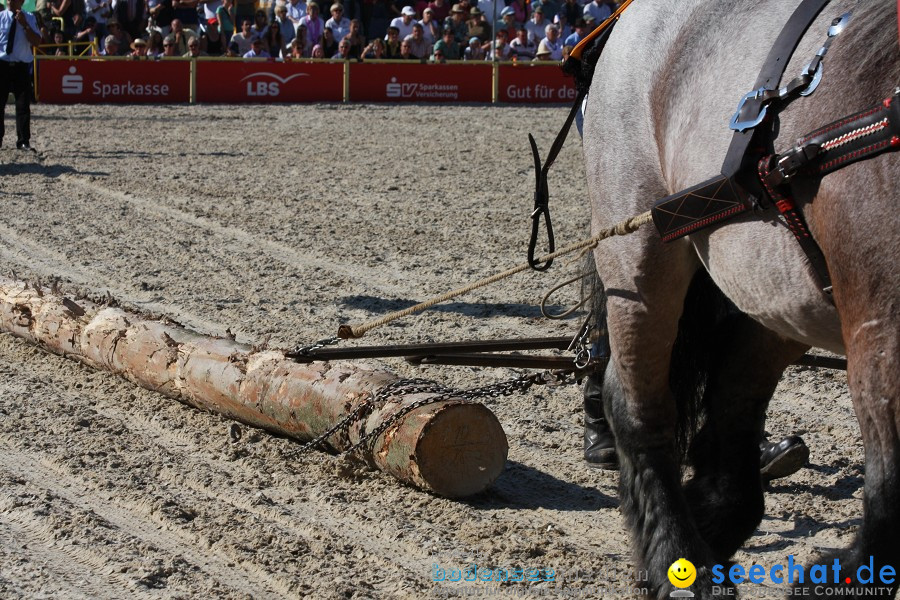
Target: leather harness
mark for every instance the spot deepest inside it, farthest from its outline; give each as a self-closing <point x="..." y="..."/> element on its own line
<point x="753" y="176"/>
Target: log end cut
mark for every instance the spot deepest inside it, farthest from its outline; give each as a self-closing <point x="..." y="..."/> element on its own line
<point x="462" y="451"/>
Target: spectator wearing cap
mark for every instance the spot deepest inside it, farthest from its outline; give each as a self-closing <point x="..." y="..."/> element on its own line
<point x="440" y="9"/>
<point x="356" y="38"/>
<point x="392" y="43"/>
<point x="243" y="39"/>
<point x="417" y="44"/>
<point x="599" y="9"/>
<point x="212" y="42"/>
<point x="543" y="53"/>
<point x="285" y="25"/>
<point x="315" y="26"/>
<point x="552" y="43"/>
<point x="478" y="25"/>
<point x="447" y="46"/>
<point x="500" y="48"/>
<point x="549" y="7"/>
<point x="317" y="52"/>
<point x="138" y="49"/>
<point x="520" y="15"/>
<point x="100" y="10"/>
<point x="507" y="22"/>
<point x="492" y="9"/>
<point x="474" y="51"/>
<point x="404" y="23"/>
<point x="536" y="26"/>
<point x="522" y="48"/>
<point x="457" y="23"/>
<point x="580" y="31"/>
<point x="257" y="50"/>
<point x="340" y="25"/>
<point x="430" y="26"/>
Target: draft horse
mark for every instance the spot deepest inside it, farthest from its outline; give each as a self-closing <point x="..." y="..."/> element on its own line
<point x="656" y="121"/>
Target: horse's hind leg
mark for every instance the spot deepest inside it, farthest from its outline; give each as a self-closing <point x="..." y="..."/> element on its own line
<point x="645" y="299"/>
<point x="725" y="493"/>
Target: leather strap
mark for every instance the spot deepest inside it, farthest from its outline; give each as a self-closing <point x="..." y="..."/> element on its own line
<point x="542" y="190"/>
<point x="769" y="77"/>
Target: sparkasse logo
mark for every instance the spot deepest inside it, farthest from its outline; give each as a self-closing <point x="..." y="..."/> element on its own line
<point x="72" y="83"/>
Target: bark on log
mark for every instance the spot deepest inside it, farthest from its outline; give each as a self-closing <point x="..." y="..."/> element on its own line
<point x="451" y="448"/>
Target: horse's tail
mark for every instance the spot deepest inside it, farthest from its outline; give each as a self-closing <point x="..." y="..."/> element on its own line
<point x="694" y="351"/>
<point x="705" y="307"/>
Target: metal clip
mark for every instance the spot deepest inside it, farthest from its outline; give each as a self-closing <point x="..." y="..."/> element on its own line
<point x="736" y="124"/>
<point x="581" y="344"/>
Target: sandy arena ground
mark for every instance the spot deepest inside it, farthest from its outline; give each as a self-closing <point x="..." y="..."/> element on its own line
<point x="281" y="222"/>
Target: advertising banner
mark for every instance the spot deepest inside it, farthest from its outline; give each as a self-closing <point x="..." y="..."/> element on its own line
<point x="414" y="82"/>
<point x="533" y="84"/>
<point x="113" y="81"/>
<point x="239" y="82"/>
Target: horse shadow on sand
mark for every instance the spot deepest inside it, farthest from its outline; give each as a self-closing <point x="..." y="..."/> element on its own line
<point x="522" y="486"/>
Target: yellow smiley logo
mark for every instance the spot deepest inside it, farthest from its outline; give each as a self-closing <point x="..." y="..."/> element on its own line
<point x="682" y="573"/>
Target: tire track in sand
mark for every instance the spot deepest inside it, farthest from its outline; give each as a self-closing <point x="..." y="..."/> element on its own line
<point x="255" y="243"/>
<point x="46" y="475"/>
<point x="47" y="262"/>
<point x="74" y="570"/>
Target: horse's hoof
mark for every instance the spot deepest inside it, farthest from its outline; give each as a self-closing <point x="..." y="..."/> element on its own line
<point x="783" y="458"/>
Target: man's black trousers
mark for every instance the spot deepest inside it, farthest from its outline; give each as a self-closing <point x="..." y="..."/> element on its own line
<point x="16" y="78"/>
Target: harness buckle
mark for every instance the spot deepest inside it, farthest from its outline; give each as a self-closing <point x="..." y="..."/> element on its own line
<point x="749" y="123"/>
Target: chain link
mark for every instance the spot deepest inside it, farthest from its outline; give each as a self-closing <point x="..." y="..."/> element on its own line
<point x="307" y="350"/>
<point x="419" y="386"/>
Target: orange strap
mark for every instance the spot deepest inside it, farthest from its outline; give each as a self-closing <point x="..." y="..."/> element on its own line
<point x="579" y="48"/>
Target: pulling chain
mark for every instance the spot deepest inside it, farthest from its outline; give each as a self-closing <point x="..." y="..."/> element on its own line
<point x="418" y="386"/>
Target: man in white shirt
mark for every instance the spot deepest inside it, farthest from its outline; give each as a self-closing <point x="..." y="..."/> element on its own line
<point x="404" y="23"/>
<point x="18" y="33"/>
<point x="551" y="43"/>
<point x="340" y="25"/>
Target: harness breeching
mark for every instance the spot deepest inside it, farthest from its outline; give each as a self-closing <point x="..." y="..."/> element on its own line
<point x="753" y="176"/>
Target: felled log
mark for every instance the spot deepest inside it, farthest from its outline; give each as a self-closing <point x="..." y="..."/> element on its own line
<point x="450" y="447"/>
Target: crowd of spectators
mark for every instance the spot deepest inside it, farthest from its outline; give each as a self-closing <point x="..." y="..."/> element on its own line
<point x="421" y="30"/>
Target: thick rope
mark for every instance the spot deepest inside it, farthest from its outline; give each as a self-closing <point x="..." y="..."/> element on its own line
<point x="623" y="228"/>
